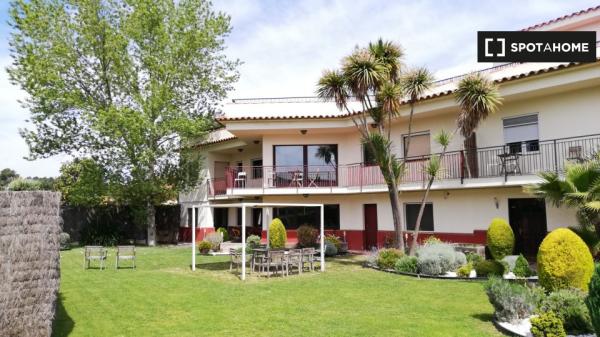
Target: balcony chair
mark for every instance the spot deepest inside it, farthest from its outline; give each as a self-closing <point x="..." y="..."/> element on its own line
<point x="125" y="253"/>
<point x="94" y="253"/>
<point x="575" y="154"/>
<point x="240" y="180"/>
<point x="312" y="182"/>
<point x="297" y="179"/>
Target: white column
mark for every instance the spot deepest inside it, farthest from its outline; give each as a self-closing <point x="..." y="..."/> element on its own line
<point x="322" y="208"/>
<point x="243" y="241"/>
<point x="193" y="238"/>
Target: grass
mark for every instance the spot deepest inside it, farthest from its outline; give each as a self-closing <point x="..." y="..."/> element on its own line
<point x="163" y="297"/>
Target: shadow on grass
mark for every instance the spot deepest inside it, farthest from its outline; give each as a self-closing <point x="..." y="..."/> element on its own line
<point x="347" y="260"/>
<point x="62" y="324"/>
<point x="485" y="317"/>
<point x="224" y="265"/>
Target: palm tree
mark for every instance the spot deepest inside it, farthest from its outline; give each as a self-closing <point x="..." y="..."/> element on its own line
<point x="414" y="83"/>
<point x="477" y="97"/>
<point x="579" y="188"/>
<point x="433" y="169"/>
<point x="367" y="73"/>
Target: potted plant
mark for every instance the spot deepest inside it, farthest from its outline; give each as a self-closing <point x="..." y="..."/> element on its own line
<point x="204" y="247"/>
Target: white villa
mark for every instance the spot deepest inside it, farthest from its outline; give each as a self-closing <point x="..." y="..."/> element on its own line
<point x="271" y="150"/>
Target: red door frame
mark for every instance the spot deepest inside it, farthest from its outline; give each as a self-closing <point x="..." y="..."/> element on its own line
<point x="370" y="223"/>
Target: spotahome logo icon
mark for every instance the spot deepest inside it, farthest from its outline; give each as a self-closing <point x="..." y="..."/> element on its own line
<point x="536" y="46"/>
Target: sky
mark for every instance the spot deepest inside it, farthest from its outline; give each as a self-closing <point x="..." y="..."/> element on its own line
<point x="286" y="44"/>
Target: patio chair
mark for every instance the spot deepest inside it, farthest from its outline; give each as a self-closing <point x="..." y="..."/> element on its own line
<point x="276" y="259"/>
<point x="308" y="257"/>
<point x="94" y="253"/>
<point x="235" y="257"/>
<point x="125" y="253"/>
<point x="240" y="180"/>
<point x="294" y="259"/>
<point x="258" y="261"/>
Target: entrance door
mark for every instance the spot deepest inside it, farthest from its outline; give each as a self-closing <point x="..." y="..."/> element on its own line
<point x="527" y="217"/>
<point x="370" y="211"/>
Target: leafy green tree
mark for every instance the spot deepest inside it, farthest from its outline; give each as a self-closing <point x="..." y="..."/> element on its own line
<point x="83" y="182"/>
<point x="124" y="82"/>
<point x="6" y="176"/>
<point x="373" y="77"/>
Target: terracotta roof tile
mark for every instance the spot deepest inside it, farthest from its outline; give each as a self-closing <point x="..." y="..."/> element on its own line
<point x="564" y="17"/>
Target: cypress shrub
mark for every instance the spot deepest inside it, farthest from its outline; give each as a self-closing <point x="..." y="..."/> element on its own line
<point x="521" y="268"/>
<point x="500" y="238"/>
<point x="564" y="261"/>
<point x="593" y="300"/>
<point x="224" y="232"/>
<point x="277" y="234"/>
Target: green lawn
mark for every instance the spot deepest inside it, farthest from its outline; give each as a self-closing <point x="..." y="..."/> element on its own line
<point x="163" y="297"/>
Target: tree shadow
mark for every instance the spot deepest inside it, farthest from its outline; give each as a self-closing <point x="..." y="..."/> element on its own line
<point x="224" y="265"/>
<point x="63" y="324"/>
<point x="484" y="317"/>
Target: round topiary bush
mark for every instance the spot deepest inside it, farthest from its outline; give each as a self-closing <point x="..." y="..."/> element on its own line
<point x="277" y="234"/>
<point x="387" y="257"/>
<point x="224" y="232"/>
<point x="500" y="238"/>
<point x="489" y="268"/>
<point x="564" y="261"/>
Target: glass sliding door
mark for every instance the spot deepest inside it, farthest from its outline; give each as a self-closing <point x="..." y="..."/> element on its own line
<point x="289" y="165"/>
<point x="305" y="165"/>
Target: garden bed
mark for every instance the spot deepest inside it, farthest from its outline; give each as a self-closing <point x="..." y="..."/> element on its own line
<point x="533" y="279"/>
<point x="523" y="328"/>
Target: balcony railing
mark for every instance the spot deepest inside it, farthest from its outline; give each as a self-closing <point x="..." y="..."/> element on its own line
<point x="525" y="158"/>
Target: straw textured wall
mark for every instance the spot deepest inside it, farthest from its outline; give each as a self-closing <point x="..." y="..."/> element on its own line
<point x="29" y="262"/>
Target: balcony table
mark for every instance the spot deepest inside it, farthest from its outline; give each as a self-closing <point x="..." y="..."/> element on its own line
<point x="507" y="158"/>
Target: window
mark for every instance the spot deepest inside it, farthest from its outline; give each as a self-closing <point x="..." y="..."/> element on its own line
<point x="257" y="171"/>
<point x="294" y="217"/>
<point x="420" y="145"/>
<point x="189" y="216"/>
<point x="368" y="156"/>
<point x="412" y="212"/>
<point x="220" y="217"/>
<point x="521" y="133"/>
<point x="306" y="165"/>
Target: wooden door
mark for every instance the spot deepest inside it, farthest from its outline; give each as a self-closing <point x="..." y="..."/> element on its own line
<point x="370" y="213"/>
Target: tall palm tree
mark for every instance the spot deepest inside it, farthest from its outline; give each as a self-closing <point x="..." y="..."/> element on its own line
<point x="414" y="83"/>
<point x="368" y="73"/>
<point x="477" y="97"/>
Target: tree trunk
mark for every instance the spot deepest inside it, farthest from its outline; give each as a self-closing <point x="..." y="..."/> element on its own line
<point x="415" y="236"/>
<point x="396" y="214"/>
<point x="151" y="223"/>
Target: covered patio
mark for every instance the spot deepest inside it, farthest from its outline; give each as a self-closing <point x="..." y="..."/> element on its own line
<point x="244" y="206"/>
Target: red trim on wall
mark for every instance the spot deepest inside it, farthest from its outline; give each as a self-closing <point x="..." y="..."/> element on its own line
<point x="354" y="238"/>
<point x="185" y="233"/>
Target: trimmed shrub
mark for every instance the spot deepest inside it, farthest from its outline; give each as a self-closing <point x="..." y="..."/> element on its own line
<point x="564" y="261"/>
<point x="432" y="239"/>
<point x="511" y="301"/>
<point x="521" y="268"/>
<point x="335" y="240"/>
<point x="438" y="258"/>
<point x="204" y="247"/>
<point x="465" y="270"/>
<point x="387" y="257"/>
<point x="500" y="238"/>
<point x="215" y="239"/>
<point x="307" y="236"/>
<point x="64" y="239"/>
<point x="20" y="184"/>
<point x="593" y="300"/>
<point x="252" y="242"/>
<point x="330" y="249"/>
<point x="474" y="258"/>
<point x="406" y="264"/>
<point x="277" y="234"/>
<point x="569" y="307"/>
<point x="224" y="232"/>
<point x="547" y="324"/>
<point x="489" y="268"/>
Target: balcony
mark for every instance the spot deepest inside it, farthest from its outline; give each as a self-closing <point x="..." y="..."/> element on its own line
<point x="503" y="161"/>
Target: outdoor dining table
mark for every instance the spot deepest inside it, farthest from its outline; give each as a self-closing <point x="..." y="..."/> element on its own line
<point x="506" y="158"/>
